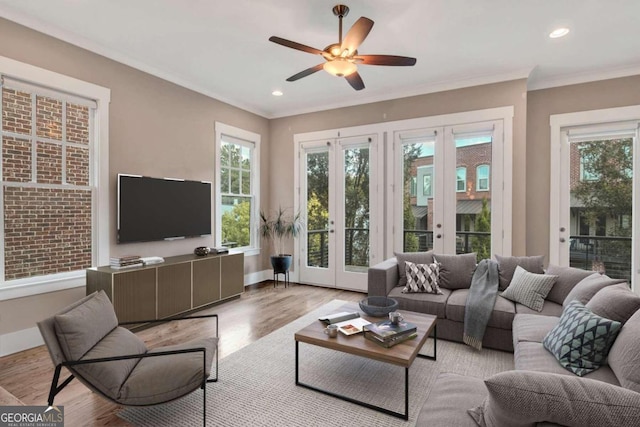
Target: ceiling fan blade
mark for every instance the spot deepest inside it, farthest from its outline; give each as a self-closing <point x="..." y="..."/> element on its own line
<point x="385" y="60"/>
<point x="356" y="35"/>
<point x="355" y="80"/>
<point x="305" y="73"/>
<point x="294" y="45"/>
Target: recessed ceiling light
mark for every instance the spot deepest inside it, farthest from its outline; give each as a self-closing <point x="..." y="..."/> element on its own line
<point x="277" y="93"/>
<point x="559" y="32"/>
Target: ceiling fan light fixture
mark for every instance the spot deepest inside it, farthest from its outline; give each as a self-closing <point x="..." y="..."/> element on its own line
<point x="340" y="67"/>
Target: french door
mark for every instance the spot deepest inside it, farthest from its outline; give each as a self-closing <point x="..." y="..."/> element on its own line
<point x="594" y="216"/>
<point x="449" y="192"/>
<point x="337" y="179"/>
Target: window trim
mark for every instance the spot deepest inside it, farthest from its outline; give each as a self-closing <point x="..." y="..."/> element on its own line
<point x="253" y="139"/>
<point x="99" y="174"/>
<point x="488" y="177"/>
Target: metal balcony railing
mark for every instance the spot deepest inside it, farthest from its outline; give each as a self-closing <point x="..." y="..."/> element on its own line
<point x="609" y="255"/>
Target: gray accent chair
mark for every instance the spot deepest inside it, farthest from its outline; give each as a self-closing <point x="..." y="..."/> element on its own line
<point x="110" y="360"/>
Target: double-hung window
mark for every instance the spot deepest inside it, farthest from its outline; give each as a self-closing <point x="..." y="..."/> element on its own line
<point x="461" y="179"/>
<point x="237" y="204"/>
<point x="49" y="175"/>
<point x="482" y="176"/>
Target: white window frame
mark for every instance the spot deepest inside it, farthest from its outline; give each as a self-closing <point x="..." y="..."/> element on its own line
<point x="99" y="178"/>
<point x="249" y="139"/>
<point x="488" y="177"/>
<point x="463" y="180"/>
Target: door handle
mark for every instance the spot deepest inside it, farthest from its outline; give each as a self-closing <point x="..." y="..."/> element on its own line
<point x="438" y="236"/>
<point x="562" y="240"/>
<point x="330" y="231"/>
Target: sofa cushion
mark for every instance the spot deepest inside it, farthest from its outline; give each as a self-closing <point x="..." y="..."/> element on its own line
<point x="456" y="271"/>
<point x="529" y="289"/>
<point x="520" y="398"/>
<point x="616" y="302"/>
<point x="501" y="316"/>
<point x="415" y="257"/>
<point x="82" y="327"/>
<point x="532" y="327"/>
<point x="532" y="356"/>
<point x="589" y="286"/>
<point x="548" y="309"/>
<point x="568" y="277"/>
<point x="422" y="278"/>
<point x="108" y="377"/>
<point x="507" y="266"/>
<point x="581" y="340"/>
<point x="421" y="302"/>
<point x="624" y="357"/>
<point x="180" y="374"/>
<point x="449" y="397"/>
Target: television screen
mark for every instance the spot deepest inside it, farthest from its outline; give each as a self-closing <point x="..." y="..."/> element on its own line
<point x="160" y="208"/>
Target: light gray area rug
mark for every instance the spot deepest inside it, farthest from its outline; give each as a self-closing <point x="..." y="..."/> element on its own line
<point x="257" y="387"/>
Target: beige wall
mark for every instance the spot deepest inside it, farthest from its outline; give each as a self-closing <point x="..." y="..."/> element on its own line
<point x="156" y="128"/>
<point x="541" y="105"/>
<point x="512" y="93"/>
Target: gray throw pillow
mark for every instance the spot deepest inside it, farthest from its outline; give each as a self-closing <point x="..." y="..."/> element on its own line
<point x="624" y="357"/>
<point x="581" y="340"/>
<point x="80" y="328"/>
<point x="507" y="266"/>
<point x="529" y="289"/>
<point x="616" y="302"/>
<point x="422" y="278"/>
<point x="415" y="257"/>
<point x="525" y="398"/>
<point x="589" y="286"/>
<point x="456" y="271"/>
<point x="568" y="277"/>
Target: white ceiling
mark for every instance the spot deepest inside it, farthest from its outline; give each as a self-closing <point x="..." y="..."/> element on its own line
<point x="221" y="48"/>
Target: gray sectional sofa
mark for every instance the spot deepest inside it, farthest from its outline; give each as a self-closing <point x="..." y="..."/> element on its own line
<point x="539" y="391"/>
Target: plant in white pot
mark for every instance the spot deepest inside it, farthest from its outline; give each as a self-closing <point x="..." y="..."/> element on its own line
<point x="278" y="227"/>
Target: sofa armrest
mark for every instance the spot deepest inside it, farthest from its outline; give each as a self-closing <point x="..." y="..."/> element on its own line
<point x="383" y="277"/>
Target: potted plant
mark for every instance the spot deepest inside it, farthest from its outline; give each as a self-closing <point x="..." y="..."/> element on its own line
<point x="278" y="227"/>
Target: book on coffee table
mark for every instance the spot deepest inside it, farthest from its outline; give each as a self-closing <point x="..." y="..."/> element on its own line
<point x="392" y="341"/>
<point x="330" y="319"/>
<point x="352" y="326"/>
<point x="386" y="331"/>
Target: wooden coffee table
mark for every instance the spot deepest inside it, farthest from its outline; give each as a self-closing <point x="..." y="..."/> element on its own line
<point x="402" y="354"/>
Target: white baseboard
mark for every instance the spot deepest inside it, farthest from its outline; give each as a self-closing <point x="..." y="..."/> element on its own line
<point x="25" y="339"/>
<point x="257" y="277"/>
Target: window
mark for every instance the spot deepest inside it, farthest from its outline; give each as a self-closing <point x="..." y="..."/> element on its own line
<point x="482" y="176"/>
<point x="237" y="203"/>
<point x="587" y="165"/>
<point x="427" y="190"/>
<point x="413" y="186"/>
<point x="461" y="179"/>
<point x="52" y="143"/>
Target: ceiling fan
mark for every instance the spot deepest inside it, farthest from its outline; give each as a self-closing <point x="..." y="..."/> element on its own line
<point x="342" y="59"/>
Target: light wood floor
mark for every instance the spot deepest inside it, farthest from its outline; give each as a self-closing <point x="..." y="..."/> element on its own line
<point x="260" y="310"/>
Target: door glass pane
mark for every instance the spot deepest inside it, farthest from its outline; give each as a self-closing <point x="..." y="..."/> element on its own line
<point x="356" y="209"/>
<point x="473" y="198"/>
<point x="418" y="194"/>
<point x="318" y="209"/>
<point x="601" y="176"/>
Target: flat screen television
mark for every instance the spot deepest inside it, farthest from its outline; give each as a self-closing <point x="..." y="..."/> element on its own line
<point x="162" y="208"/>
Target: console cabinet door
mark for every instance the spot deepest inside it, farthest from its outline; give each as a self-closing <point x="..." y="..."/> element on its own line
<point x="134" y="295"/>
<point x="174" y="289"/>
<point x="206" y="281"/>
<point x="232" y="275"/>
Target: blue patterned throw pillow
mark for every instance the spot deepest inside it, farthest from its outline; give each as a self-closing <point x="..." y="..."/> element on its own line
<point x="581" y="340"/>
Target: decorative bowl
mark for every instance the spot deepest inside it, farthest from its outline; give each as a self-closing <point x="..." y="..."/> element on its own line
<point x="378" y="306"/>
